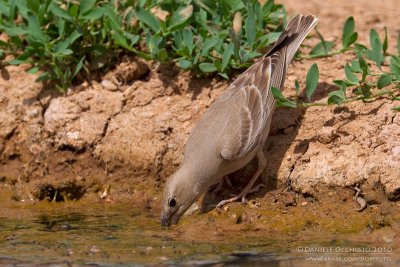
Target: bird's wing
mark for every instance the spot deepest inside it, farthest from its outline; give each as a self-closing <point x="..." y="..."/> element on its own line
<point x="250" y="95"/>
<point x="251" y="98"/>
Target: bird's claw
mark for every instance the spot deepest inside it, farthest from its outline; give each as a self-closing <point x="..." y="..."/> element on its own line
<point x="226" y="201"/>
<point x="241" y="196"/>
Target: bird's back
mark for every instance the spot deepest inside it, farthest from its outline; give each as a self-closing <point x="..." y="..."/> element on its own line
<point x="238" y="122"/>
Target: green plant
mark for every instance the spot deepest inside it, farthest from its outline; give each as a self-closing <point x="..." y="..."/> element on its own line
<point x="366" y="83"/>
<point x="208" y="36"/>
<point x="63" y="38"/>
<point x="68" y="40"/>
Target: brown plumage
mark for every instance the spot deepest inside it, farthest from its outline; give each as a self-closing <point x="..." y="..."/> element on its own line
<point x="234" y="128"/>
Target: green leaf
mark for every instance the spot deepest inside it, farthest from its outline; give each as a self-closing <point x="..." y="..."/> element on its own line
<point x="396" y="108"/>
<point x="398" y="44"/>
<point x="148" y="19"/>
<point x="188" y="40"/>
<point x="133" y="38"/>
<point x="227" y="56"/>
<point x="86" y="5"/>
<point x="339" y="96"/>
<point x="336" y="97"/>
<point x="14" y="31"/>
<point x="178" y="20"/>
<point x="18" y="61"/>
<point x="385" y="42"/>
<point x="78" y="67"/>
<point x="94" y="14"/>
<point x="207" y="67"/>
<point x="322" y="48"/>
<point x="154" y="43"/>
<point x="339" y="82"/>
<point x="364" y="74"/>
<point x="162" y="55"/>
<point x="62" y="46"/>
<point x="208" y="44"/>
<point x="355" y="66"/>
<point x="343" y="89"/>
<point x="60" y="13"/>
<point x="351" y="77"/>
<point x="353" y="39"/>
<point x="348" y="32"/>
<point x="384" y="80"/>
<point x="395" y="66"/>
<point x="361" y="61"/>
<point x="223" y="75"/>
<point x="234" y="4"/>
<point x="184" y="64"/>
<point x="12" y="10"/>
<point x="297" y="87"/>
<point x="45" y="75"/>
<point x="250" y="26"/>
<point x="34" y="28"/>
<point x="360" y="47"/>
<point x="375" y="54"/>
<point x="375" y="40"/>
<point x="312" y="80"/>
<point x="3" y="8"/>
<point x="33" y="70"/>
<point x="281" y="99"/>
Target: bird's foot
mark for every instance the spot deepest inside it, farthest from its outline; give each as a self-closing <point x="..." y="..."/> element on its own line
<point x="360" y="200"/>
<point x="241" y="196"/>
<point x="226" y="201"/>
<point x="257" y="188"/>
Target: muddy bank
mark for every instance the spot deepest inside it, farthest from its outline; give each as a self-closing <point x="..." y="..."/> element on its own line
<point x="124" y="230"/>
<point x="128" y="129"/>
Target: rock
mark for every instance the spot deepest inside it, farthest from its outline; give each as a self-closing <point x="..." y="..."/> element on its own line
<point x="109" y="85"/>
<point x="372" y="197"/>
<point x="237" y="217"/>
<point x="128" y="71"/>
<point x="326" y="135"/>
<point x="289" y="130"/>
<point x="192" y="209"/>
<point x="287" y="199"/>
<point x="304" y="203"/>
<point x="94" y="249"/>
<point x="81" y="119"/>
<point x="254" y="203"/>
<point x="7" y="125"/>
<point x="149" y="139"/>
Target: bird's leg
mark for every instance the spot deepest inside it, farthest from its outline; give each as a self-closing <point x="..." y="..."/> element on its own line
<point x="219" y="186"/>
<point x="228" y="181"/>
<point x="262" y="164"/>
<point x="221" y="183"/>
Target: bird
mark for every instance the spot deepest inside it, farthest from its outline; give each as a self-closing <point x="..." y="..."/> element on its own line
<point x="233" y="130"/>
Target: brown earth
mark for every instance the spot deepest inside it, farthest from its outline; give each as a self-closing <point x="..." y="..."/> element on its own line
<point x="129" y="130"/>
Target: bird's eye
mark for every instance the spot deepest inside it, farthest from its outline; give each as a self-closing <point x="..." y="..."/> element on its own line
<point x="172" y="202"/>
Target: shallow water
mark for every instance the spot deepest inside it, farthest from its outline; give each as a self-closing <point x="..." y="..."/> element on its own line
<point x="96" y="233"/>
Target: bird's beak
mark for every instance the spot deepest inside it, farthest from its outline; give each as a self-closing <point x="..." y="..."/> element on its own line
<point x="168" y="217"/>
<point x="165" y="219"/>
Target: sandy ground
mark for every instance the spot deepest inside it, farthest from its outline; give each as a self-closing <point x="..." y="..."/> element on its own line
<point x="130" y="136"/>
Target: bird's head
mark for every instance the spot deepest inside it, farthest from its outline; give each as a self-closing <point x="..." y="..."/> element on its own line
<point x="179" y="194"/>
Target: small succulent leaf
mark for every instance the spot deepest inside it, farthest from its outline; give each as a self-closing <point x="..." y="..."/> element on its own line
<point x="384" y="80"/>
<point x="312" y="80"/>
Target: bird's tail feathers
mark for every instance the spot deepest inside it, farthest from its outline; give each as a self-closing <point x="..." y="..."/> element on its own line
<point x="294" y="34"/>
<point x="283" y="51"/>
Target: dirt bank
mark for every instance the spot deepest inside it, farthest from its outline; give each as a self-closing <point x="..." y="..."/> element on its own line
<point x="129" y="129"/>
